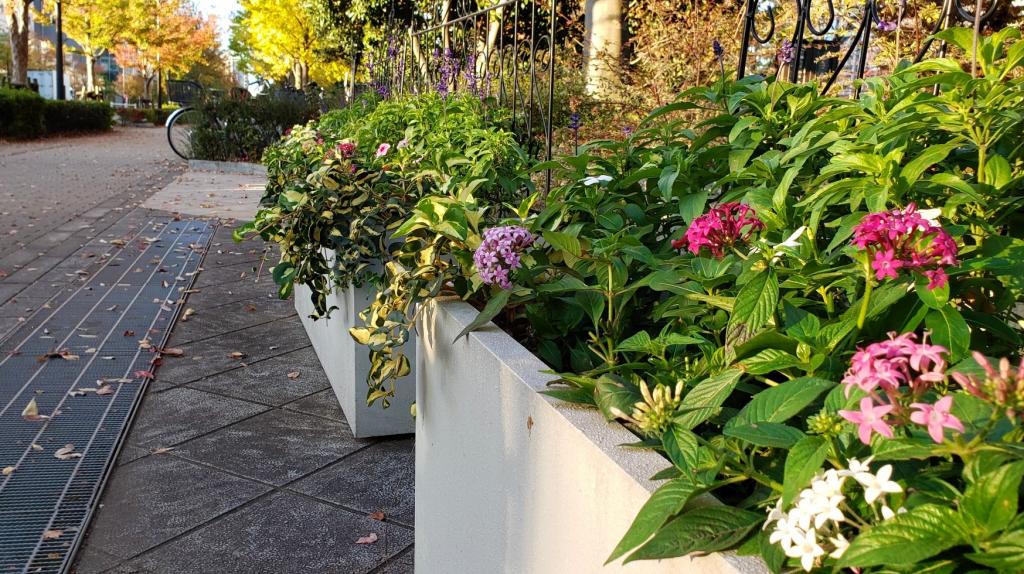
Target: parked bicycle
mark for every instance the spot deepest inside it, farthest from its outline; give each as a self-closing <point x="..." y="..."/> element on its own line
<point x="183" y="120"/>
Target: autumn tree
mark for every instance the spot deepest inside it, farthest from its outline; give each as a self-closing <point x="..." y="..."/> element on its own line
<point x="94" y="25"/>
<point x="167" y="35"/>
<point x="16" y="14"/>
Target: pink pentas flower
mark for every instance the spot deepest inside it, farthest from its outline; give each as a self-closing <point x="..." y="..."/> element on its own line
<point x="869" y="419"/>
<point x="904" y="239"/>
<point x="382" y="149"/>
<point x="936" y="417"/>
<point x="499" y="254"/>
<point x="346" y="149"/>
<point x="720" y="228"/>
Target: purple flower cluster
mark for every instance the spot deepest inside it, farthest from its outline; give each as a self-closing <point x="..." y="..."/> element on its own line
<point x="785" y="52"/>
<point x="448" y="71"/>
<point x="498" y="255"/>
<point x="896" y="374"/>
<point x="717" y="49"/>
<point x="720" y="228"/>
<point x="903" y="239"/>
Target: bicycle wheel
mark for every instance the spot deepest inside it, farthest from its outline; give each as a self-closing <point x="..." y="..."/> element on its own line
<point x="179" y="130"/>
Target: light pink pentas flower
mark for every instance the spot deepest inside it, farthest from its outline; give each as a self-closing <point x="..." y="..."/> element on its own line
<point x="383" y="149"/>
<point x="498" y="254"/>
<point x="720" y="228"/>
<point x="936" y="417"/>
<point x="1003" y="388"/>
<point x="870" y="418"/>
<point x="896" y="374"/>
<point x="903" y="239"/>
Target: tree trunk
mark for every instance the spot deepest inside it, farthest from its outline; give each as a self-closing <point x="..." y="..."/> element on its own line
<point x="17" y="24"/>
<point x="90" y="72"/>
<point x="603" y="46"/>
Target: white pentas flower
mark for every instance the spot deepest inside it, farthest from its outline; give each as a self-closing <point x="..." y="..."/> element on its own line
<point x="596" y="179"/>
<point x="875" y="485"/>
<point x="806" y="548"/>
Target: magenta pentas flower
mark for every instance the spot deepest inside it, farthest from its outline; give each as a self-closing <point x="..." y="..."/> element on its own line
<point x="904" y="239"/>
<point x="498" y="254"/>
<point x="896" y="375"/>
<point x="719" y="229"/>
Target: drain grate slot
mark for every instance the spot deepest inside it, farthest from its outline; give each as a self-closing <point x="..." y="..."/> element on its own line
<point x="46" y="502"/>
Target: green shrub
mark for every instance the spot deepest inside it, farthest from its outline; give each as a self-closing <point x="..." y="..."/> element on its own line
<point x="76" y="116"/>
<point x="158" y="117"/>
<point x="232" y="129"/>
<point x="21" y="114"/>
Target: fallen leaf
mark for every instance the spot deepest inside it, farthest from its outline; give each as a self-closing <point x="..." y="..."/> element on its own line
<point x="67" y="452"/>
<point x="31" y="412"/>
<point x="172" y="352"/>
<point x="36" y="447"/>
<point x="105" y="390"/>
<point x="162" y="450"/>
<point x="145" y="374"/>
<point x="145" y="344"/>
<point x="237" y="355"/>
<point x="368" y="539"/>
<point x="188" y="313"/>
<point x="250" y="308"/>
<point x="376" y="515"/>
<point x="529" y="423"/>
<point x="7" y="471"/>
<point x="129" y="333"/>
<point x="118" y="242"/>
<point x="293" y="375"/>
<point x="51" y="534"/>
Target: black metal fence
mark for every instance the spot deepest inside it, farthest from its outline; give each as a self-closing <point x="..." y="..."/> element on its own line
<point x="503" y="52"/>
<point x="816" y="49"/>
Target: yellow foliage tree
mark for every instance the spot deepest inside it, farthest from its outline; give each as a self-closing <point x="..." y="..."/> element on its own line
<point x="94" y="25"/>
<point x="278" y="39"/>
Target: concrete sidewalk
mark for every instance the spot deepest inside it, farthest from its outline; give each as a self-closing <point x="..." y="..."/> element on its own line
<point x="239" y="460"/>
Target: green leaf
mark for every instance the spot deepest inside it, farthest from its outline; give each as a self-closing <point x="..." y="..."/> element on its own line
<point x="906" y="538"/>
<point x="932" y="155"/>
<point x="614" y="398"/>
<point x="665" y="503"/>
<point x="701" y="402"/>
<point x="991" y="503"/>
<point x="902" y="448"/>
<point x="769" y="360"/>
<point x="934" y="298"/>
<point x="564" y="242"/>
<point x="773" y="435"/>
<point x="1005" y="554"/>
<point x="490" y="311"/>
<point x="639" y="342"/>
<point x="950" y="330"/>
<point x="778" y="404"/>
<point x="681" y="447"/>
<point x="707" y="529"/>
<point x="667" y="180"/>
<point x="754" y="307"/>
<point x="802" y="463"/>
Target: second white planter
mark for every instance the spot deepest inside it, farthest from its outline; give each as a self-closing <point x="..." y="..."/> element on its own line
<point x="347" y="363"/>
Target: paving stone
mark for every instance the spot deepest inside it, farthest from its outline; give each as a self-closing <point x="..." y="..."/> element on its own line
<point x="34" y="270"/>
<point x="204" y="324"/>
<point x="92" y="560"/>
<point x="276" y="447"/>
<point x="378" y="478"/>
<point x="267" y="381"/>
<point x="214" y="355"/>
<point x="131" y="453"/>
<point x="323" y="404"/>
<point x="157" y="498"/>
<point x="172" y="417"/>
<point x="280" y="534"/>
<point x="401" y="564"/>
<point x="9" y="290"/>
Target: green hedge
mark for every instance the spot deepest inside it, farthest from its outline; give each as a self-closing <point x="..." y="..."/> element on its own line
<point x="232" y="129"/>
<point x="25" y="114"/>
<point x="21" y="114"/>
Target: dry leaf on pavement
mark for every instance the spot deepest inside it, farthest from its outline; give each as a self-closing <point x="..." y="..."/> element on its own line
<point x="379" y="515"/>
<point x="7" y="471"/>
<point x="105" y="390"/>
<point x="51" y="534"/>
<point x="237" y="355"/>
<point x="172" y="352"/>
<point x="294" y="375"/>
<point x="368" y="539"/>
<point x="67" y="452"/>
<point x="31" y="412"/>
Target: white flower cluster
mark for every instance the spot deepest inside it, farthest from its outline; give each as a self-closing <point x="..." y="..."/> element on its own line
<point x="813" y="522"/>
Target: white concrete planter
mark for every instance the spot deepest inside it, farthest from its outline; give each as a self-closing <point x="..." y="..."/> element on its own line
<point x="347" y="363"/>
<point x="509" y="480"/>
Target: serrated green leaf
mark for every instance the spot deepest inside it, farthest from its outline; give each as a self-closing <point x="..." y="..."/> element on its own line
<point x="707" y="529"/>
<point x="754" y="307"/>
<point x="916" y="535"/>
<point x="704" y="399"/>
<point x="765" y="434"/>
<point x="665" y="503"/>
<point x="802" y="463"/>
<point x="777" y="404"/>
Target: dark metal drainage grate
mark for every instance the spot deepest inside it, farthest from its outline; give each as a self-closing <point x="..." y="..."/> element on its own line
<point x="86" y="340"/>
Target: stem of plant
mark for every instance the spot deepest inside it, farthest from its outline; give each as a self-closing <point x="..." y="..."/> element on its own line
<point x="868" y="285"/>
